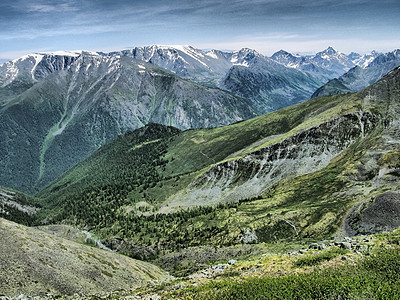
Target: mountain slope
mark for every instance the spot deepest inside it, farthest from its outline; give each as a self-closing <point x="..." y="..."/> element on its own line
<point x="65" y="116"/>
<point x="36" y="263"/>
<point x="269" y="84"/>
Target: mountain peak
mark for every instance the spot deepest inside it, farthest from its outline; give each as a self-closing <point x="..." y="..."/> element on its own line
<point x="282" y="52"/>
<point x="329" y="51"/>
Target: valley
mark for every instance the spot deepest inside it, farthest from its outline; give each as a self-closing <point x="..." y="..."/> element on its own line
<point x="183" y="166"/>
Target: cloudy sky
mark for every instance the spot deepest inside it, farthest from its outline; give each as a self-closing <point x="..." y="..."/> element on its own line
<point x="308" y="26"/>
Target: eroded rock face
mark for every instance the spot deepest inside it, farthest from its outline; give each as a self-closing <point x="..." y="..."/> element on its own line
<point x="249" y="176"/>
<point x="380" y="214"/>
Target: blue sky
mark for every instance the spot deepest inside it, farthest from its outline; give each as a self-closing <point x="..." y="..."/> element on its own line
<point x="265" y="25"/>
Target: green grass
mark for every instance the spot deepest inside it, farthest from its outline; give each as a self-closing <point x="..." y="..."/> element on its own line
<point x="375" y="277"/>
<point x="315" y="259"/>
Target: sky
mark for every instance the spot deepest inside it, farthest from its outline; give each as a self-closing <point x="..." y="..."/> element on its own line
<point x="305" y="27"/>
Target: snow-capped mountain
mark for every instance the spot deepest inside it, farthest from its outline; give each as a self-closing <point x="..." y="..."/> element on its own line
<point x="37" y="66"/>
<point x="185" y="61"/>
<point x="304" y="64"/>
<point x="238" y="72"/>
<point x="363" y="60"/>
<point x="20" y="74"/>
<point x="326" y="64"/>
<point x="358" y="77"/>
<point x="332" y="60"/>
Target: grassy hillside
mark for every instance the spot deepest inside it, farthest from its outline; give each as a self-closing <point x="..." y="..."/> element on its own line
<point x="332" y="273"/>
<point x="36" y="263"/>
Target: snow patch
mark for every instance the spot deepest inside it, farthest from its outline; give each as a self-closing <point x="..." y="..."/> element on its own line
<point x="60" y="130"/>
<point x="38" y="58"/>
<point x="212" y="54"/>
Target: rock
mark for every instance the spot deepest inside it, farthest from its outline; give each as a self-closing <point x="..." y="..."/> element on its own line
<point x="321" y="246"/>
<point x="362" y="248"/>
<point x="313" y="246"/>
<point x="345" y="245"/>
<point x="302" y="251"/>
<point x="220" y="267"/>
<point x="232" y="262"/>
<point x="249" y="237"/>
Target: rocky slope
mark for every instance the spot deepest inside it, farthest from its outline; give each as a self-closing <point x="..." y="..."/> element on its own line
<point x="35" y="263"/>
<point x="17" y="207"/>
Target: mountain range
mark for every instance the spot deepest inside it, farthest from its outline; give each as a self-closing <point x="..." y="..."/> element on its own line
<point x="360" y="77"/>
<point x="57" y="108"/>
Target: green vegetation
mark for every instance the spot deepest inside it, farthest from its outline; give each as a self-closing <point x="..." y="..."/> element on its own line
<point x="102" y="184"/>
<point x="375" y="277"/>
<point x="315" y="259"/>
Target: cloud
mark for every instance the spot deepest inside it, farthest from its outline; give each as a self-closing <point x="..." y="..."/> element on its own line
<point x="265" y="24"/>
<point x="53" y="7"/>
<point x="270" y="45"/>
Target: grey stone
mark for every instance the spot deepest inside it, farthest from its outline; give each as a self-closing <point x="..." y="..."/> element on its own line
<point x="232" y="262"/>
<point x="345" y="245"/>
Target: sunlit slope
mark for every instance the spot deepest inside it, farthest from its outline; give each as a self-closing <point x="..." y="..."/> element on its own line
<point x="36" y="263"/>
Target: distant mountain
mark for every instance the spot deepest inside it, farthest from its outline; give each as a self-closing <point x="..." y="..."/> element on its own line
<point x="246" y="73"/>
<point x="66" y="107"/>
<point x="206" y="67"/>
<point x="332" y="60"/>
<point x="269" y="84"/>
<point x="363" y="60"/>
<point x="304" y="64"/>
<point x="20" y="74"/>
<point x="358" y="77"/>
<point x="326" y="64"/>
